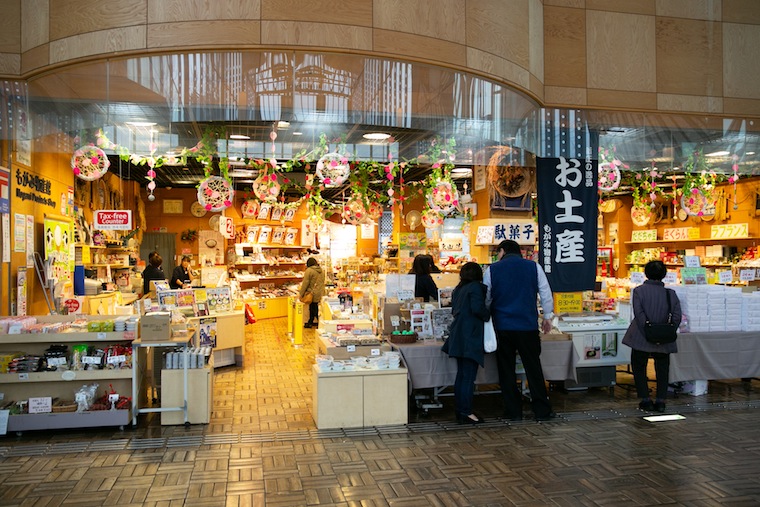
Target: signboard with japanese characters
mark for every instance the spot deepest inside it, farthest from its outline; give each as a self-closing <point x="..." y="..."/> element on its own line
<point x="567" y="212"/>
<point x="522" y="231"/>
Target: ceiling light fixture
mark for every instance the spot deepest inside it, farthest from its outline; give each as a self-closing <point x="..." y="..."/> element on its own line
<point x="376" y="136"/>
<point x="297" y="133"/>
<point x="750" y="153"/>
<point x="239" y="136"/>
<point x="718" y="154"/>
<point x="141" y="123"/>
<point x="282" y="124"/>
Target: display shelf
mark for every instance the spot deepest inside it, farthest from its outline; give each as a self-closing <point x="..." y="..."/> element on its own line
<point x="94" y="419"/>
<point x="55" y="376"/>
<point x="113" y="266"/>
<point x="266" y="278"/>
<point x="680" y="264"/>
<point x="290" y="263"/>
<point x="699" y="240"/>
<point x="100" y="336"/>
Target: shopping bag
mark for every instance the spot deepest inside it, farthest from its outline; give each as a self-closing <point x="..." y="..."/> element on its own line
<point x="307" y="298"/>
<point x="489" y="336"/>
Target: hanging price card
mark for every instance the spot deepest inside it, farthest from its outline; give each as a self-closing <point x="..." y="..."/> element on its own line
<point x="643" y="236"/>
<point x="725" y="277"/>
<point x="637" y="278"/>
<point x="670" y="277"/>
<point x="747" y="275"/>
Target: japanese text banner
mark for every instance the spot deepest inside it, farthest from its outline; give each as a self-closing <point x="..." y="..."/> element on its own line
<point x="567" y="210"/>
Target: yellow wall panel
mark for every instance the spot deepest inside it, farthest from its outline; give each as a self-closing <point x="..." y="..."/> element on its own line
<point x="565" y="96"/>
<point x="621" y="100"/>
<point x="204" y="33"/>
<point x="35" y="19"/>
<point x="502" y="31"/>
<point x="75" y="17"/>
<point x="741" y="11"/>
<point x="167" y="11"/>
<point x="103" y="42"/>
<point x="620" y="51"/>
<point x="689" y="57"/>
<point x="565" y="47"/>
<point x="345" y="12"/>
<point x="689" y="103"/>
<point x="440" y="19"/>
<point x="10" y="26"/>
<point x="692" y="9"/>
<point x="624" y="6"/>
<point x="301" y="33"/>
<point x="426" y="48"/>
<point x="741" y="72"/>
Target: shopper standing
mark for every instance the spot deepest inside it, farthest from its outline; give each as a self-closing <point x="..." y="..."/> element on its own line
<point x="424" y="286"/>
<point x="465" y="342"/>
<point x="153" y="271"/>
<point x="513" y="285"/>
<point x="314" y="282"/>
<point x="650" y="303"/>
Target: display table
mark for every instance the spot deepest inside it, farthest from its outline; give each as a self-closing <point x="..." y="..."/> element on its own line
<point x="361" y="398"/>
<point x="715" y="356"/>
<point x="230" y="336"/>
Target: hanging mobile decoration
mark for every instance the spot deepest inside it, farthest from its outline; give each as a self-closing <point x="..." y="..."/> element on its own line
<point x="333" y="169"/>
<point x="443" y="197"/>
<point x="431" y="219"/>
<point x="354" y="212"/>
<point x="215" y="193"/>
<point x="89" y="163"/>
<point x="735" y="177"/>
<point x="609" y="169"/>
<point x="249" y="208"/>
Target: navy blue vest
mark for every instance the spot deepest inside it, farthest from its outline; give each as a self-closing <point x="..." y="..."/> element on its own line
<point x="514" y="287"/>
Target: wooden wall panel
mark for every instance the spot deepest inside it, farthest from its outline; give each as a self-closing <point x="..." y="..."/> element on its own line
<point x="497" y="67"/>
<point x="10" y="26"/>
<point x="75" y="17"/>
<point x="741" y="107"/>
<point x="741" y="71"/>
<point x="10" y="63"/>
<point x="647" y="7"/>
<point x="536" y="38"/>
<point x="692" y="9"/>
<point x="565" y="96"/>
<point x="611" y="99"/>
<point x="575" y="4"/>
<point x="620" y="51"/>
<point x="204" y="33"/>
<point x="689" y="56"/>
<point x="565" y="47"/>
<point x="301" y="33"/>
<point x="440" y="19"/>
<point x="741" y="11"/>
<point x="344" y="12"/>
<point x="169" y="11"/>
<point x="411" y="45"/>
<point x="35" y="58"/>
<point x="35" y="20"/>
<point x="102" y="42"/>
<point x="673" y="102"/>
<point x="492" y="27"/>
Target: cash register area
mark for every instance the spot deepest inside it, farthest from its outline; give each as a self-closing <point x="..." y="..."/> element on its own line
<point x="262" y="447"/>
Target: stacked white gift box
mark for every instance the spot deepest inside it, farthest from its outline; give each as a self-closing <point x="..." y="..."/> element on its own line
<point x="714" y="308"/>
<point x="751" y="311"/>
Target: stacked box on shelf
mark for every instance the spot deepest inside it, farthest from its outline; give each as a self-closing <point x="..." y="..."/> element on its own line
<point x="699" y="316"/>
<point x="751" y="312"/>
<point x="716" y="301"/>
<point x="733" y="308"/>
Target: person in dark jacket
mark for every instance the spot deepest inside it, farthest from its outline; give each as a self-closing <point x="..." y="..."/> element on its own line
<point x="153" y="271"/>
<point x="314" y="282"/>
<point x="649" y="301"/>
<point x="181" y="274"/>
<point x="424" y="286"/>
<point x="465" y="342"/>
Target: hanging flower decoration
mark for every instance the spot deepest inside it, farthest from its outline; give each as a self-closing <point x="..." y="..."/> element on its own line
<point x="266" y="187"/>
<point x="249" y="208"/>
<point x="431" y="219"/>
<point x="333" y="169"/>
<point x="215" y="193"/>
<point x="734" y="177"/>
<point x="697" y="192"/>
<point x="89" y="163"/>
<point x="442" y="195"/>
<point x="609" y="169"/>
<point x="354" y="212"/>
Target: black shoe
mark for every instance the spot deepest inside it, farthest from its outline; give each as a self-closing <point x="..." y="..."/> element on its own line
<point x="466" y="419"/>
<point x="510" y="417"/>
<point x="646" y="405"/>
<point x="308" y="325"/>
<point x="659" y="406"/>
<point x="547" y="417"/>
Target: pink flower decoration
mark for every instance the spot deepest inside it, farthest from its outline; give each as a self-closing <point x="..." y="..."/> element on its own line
<point x="436" y="165"/>
<point x="151" y="173"/>
<point x="455" y="203"/>
<point x="333" y="163"/>
<point x="731" y="179"/>
<point x="695" y="191"/>
<point x="76" y="170"/>
<point x="94" y="160"/>
<point x="208" y="207"/>
<point x="700" y="213"/>
<point x="389" y="176"/>
<point x="285" y="180"/>
<point x="691" y="201"/>
<point x="208" y="192"/>
<point x="273" y="177"/>
<point x="227" y="203"/>
<point x="327" y="181"/>
<point x="390" y="191"/>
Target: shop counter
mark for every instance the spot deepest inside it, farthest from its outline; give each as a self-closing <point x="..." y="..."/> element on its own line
<point x="715" y="356"/>
<point x="325" y="346"/>
<point x="269" y="308"/>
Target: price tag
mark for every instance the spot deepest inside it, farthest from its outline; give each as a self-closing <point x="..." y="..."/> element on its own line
<point x="42" y="405"/>
<point x="374" y="352"/>
<point x="4" y="415"/>
<point x="113" y="397"/>
<point x="56" y="361"/>
<point x="747" y="275"/>
<point x="670" y="277"/>
<point x="23" y="376"/>
<point x="129" y="335"/>
<point x="725" y="277"/>
<point x="691" y="261"/>
<point x="113" y="360"/>
<point x="637" y="278"/>
<point x="350" y="348"/>
<point x="90" y="360"/>
<point x="101" y="336"/>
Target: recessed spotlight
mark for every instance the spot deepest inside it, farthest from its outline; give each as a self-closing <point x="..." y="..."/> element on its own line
<point x="283" y="124"/>
<point x="718" y="154"/>
<point x="297" y="133"/>
<point x="239" y="136"/>
<point x="141" y="123"/>
<point x="376" y="136"/>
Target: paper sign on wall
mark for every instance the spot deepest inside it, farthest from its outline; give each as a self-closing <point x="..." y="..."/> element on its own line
<point x="747" y="275"/>
<point x="637" y="278"/>
<point x="43" y="405"/>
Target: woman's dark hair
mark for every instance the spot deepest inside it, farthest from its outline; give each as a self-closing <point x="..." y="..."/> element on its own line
<point x="311" y="262"/>
<point x="421" y="265"/>
<point x="470" y="272"/>
<point x="156" y="260"/>
<point x="655" y="270"/>
<point x="185" y="258"/>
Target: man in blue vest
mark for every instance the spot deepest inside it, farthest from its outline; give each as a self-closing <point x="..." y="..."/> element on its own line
<point x="513" y="284"/>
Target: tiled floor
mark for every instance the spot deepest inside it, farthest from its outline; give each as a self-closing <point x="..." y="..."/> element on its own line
<point x="262" y="448"/>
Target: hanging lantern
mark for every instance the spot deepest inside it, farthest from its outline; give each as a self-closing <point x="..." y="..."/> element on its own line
<point x="609" y="177"/>
<point x="215" y="193"/>
<point x="354" y="211"/>
<point x="89" y="163"/>
<point x="266" y="187"/>
<point x="432" y="219"/>
<point x="443" y="197"/>
<point x="332" y="169"/>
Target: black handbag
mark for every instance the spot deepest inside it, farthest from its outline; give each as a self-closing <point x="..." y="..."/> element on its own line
<point x="661" y="333"/>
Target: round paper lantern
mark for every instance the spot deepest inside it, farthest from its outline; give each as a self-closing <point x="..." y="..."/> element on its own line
<point x="215" y="193"/>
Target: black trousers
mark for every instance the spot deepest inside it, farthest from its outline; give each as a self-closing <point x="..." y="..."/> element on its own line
<point x="313" y="313"/>
<point x="639" y="360"/>
<point x="528" y="345"/>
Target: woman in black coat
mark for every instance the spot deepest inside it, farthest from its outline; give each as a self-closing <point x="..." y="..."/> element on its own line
<point x="424" y="286"/>
<point x="650" y="302"/>
<point x="465" y="342"/>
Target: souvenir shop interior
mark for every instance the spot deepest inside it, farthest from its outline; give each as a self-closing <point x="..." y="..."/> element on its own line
<point x="260" y="161"/>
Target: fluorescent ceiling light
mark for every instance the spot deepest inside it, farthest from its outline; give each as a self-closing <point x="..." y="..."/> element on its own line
<point x="750" y="153"/>
<point x="376" y="136"/>
<point x="663" y="418"/>
<point x="241" y="173"/>
<point x="461" y="170"/>
<point x="283" y="124"/>
<point x="718" y="154"/>
<point x="141" y="123"/>
<point x="246" y="181"/>
<point x="297" y="133"/>
<point x="185" y="182"/>
<point x="239" y="136"/>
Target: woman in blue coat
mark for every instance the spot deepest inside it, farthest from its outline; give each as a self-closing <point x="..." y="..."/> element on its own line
<point x="465" y="342"/>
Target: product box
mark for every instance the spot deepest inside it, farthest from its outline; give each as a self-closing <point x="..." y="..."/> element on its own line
<point x="556" y="337"/>
<point x="155" y="327"/>
<point x="694" y="387"/>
